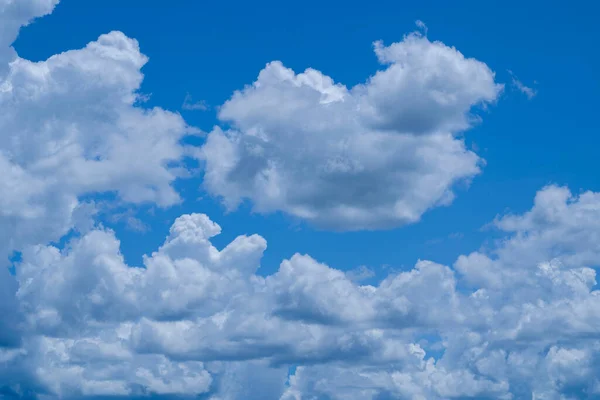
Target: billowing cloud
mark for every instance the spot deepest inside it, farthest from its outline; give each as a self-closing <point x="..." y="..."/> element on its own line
<point x="376" y="155"/>
<point x="13" y="15"/>
<point x="517" y="321"/>
<point x="69" y="127"/>
<point x="520" y="320"/>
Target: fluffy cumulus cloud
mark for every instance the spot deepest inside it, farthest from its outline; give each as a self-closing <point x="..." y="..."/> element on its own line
<point x="69" y="127"/>
<point x="13" y="15"/>
<point x="519" y="320"/>
<point x="376" y="155"/>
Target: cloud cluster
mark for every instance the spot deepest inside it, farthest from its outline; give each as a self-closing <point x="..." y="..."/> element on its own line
<point x="13" y="15"/>
<point x="69" y="127"/>
<point x="376" y="155"/>
<point x="518" y="321"/>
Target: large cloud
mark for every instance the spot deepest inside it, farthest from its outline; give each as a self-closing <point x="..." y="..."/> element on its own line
<point x="377" y="155"/>
<point x="13" y="15"/>
<point x="509" y="323"/>
<point x="69" y="127"/>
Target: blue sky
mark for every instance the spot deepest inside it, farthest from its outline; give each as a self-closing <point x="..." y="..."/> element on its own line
<point x="495" y="285"/>
<point x="210" y="50"/>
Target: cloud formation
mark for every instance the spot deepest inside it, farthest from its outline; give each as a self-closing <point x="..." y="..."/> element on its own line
<point x="521" y="87"/>
<point x="518" y="321"/>
<point x="376" y="155"/>
<point x="69" y="127"/>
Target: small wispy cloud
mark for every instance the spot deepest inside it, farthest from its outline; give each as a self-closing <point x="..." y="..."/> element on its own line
<point x="360" y="274"/>
<point x="521" y="87"/>
<point x="142" y="98"/>
<point x="136" y="225"/>
<point x="456" y="235"/>
<point x="131" y="222"/>
<point x="452" y="236"/>
<point x="421" y="25"/>
<point x="190" y="105"/>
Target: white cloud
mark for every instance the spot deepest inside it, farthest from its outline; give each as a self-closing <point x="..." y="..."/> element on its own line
<point x="521" y="87"/>
<point x="377" y="155"/>
<point x="190" y="105"/>
<point x="422" y="26"/>
<point x="104" y="366"/>
<point x="13" y="15"/>
<point x="69" y="128"/>
<point x="518" y="320"/>
<point x="360" y="273"/>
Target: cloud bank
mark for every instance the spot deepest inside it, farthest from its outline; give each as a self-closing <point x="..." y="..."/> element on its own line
<point x="517" y="321"/>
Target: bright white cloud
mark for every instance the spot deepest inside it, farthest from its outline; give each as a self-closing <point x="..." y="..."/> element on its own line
<point x="69" y="127"/>
<point x="377" y="155"/>
<point x="13" y="15"/>
<point x="196" y="319"/>
<point x="518" y="321"/>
